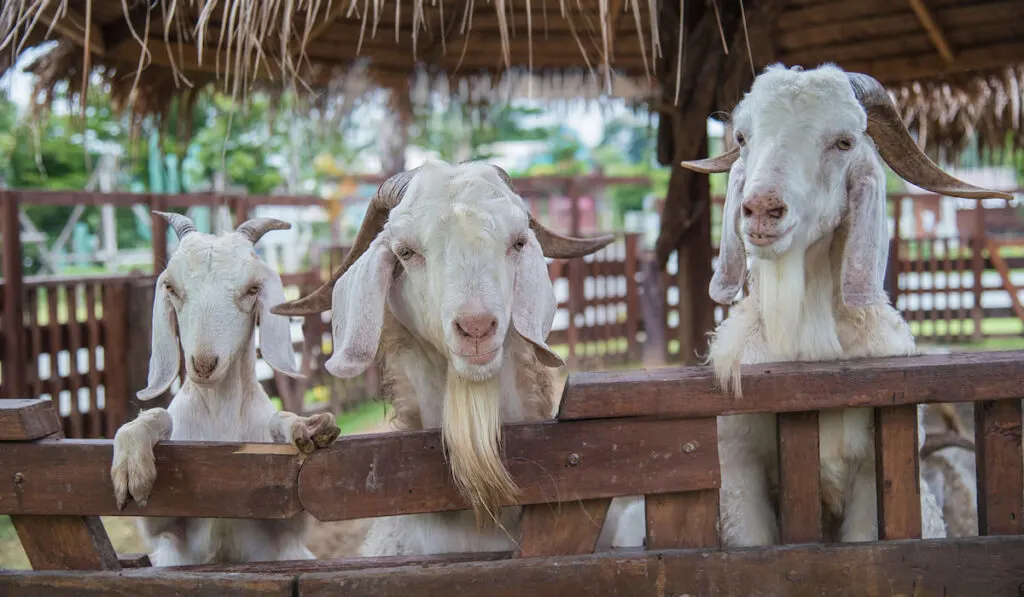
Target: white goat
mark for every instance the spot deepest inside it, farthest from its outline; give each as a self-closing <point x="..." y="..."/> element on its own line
<point x="211" y="296"/>
<point x="446" y="284"/>
<point x="806" y="201"/>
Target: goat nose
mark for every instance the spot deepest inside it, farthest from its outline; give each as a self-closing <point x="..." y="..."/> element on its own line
<point x="762" y="205"/>
<point x="204" y="365"/>
<point x="476" y="327"/>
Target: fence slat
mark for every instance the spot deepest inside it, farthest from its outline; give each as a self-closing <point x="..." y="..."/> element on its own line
<point x="66" y="543"/>
<point x="115" y="353"/>
<point x="999" y="463"/>
<point x="898" y="484"/>
<point x="56" y="345"/>
<point x="682" y="520"/>
<point x="35" y="341"/>
<point x="74" y="344"/>
<point x="799" y="478"/>
<point x="562" y="528"/>
<point x="13" y="309"/>
<point x="93" y="340"/>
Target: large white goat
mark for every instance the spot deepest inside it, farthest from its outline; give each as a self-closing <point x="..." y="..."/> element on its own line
<point x="210" y="298"/>
<point x="806" y="202"/>
<point x="447" y="286"/>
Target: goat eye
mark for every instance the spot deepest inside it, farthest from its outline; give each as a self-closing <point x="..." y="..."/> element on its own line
<point x="844" y="144"/>
<point x="405" y="253"/>
<point x="171" y="291"/>
<point x="520" y="244"/>
<point x="253" y="290"/>
<point x="740" y="139"/>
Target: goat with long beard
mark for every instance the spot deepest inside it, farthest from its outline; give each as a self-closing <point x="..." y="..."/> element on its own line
<point x="447" y="287"/>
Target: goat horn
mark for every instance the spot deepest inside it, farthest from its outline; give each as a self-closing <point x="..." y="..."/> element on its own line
<point x="389" y="194"/>
<point x="947" y="439"/>
<point x="712" y="165"/>
<point x="898" y="148"/>
<point x="555" y="245"/>
<point x="255" y="228"/>
<point x="182" y="225"/>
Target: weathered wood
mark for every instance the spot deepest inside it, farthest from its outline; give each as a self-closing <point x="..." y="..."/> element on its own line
<point x="562" y="528"/>
<point x="405" y="473"/>
<point x="154" y="583"/>
<point x="682" y="520"/>
<point x="93" y="334"/>
<point x="74" y="375"/>
<point x="193" y="479"/>
<point x="13" y="272"/>
<point x="898" y="483"/>
<point x="115" y="355"/>
<point x="949" y="568"/>
<point x="298" y="566"/>
<point x="66" y="543"/>
<point x="799" y="478"/>
<point x="791" y="387"/>
<point x="27" y="419"/>
<point x="134" y="560"/>
<point x="997" y="440"/>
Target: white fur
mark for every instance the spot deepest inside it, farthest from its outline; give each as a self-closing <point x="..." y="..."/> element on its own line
<point x="458" y="242"/>
<point x="215" y="315"/>
<point x="791" y="123"/>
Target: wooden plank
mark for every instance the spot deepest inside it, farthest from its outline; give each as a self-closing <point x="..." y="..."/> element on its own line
<point x="154" y="583"/>
<point x="898" y="485"/>
<point x="33" y="336"/>
<point x="948" y="567"/>
<point x="935" y="32"/>
<point x="73" y="477"/>
<point x="682" y="520"/>
<point x="791" y="387"/>
<point x="799" y="478"/>
<point x="14" y="340"/>
<point x="562" y="528"/>
<point x="68" y="23"/>
<point x="66" y="543"/>
<point x="299" y="566"/>
<point x="115" y="355"/>
<point x="405" y="473"/>
<point x="56" y="344"/>
<point x="24" y="419"/>
<point x="93" y="340"/>
<point x="134" y="560"/>
<point x="74" y="343"/>
<point x="999" y="462"/>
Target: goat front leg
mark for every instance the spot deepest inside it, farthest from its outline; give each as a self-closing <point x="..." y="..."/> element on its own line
<point x="306" y="433"/>
<point x="133" y="470"/>
<point x="747" y="515"/>
<point x="860" y="516"/>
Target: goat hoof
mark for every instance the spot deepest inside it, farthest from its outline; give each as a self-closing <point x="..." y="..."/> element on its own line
<point x="318" y="431"/>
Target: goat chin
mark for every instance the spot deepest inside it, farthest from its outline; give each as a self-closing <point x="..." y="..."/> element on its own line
<point x="471" y="435"/>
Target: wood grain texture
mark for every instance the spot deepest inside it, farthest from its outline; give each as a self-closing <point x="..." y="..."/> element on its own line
<point x="340" y="565"/>
<point x="682" y="520"/>
<point x="791" y="387"/>
<point x="1000" y="467"/>
<point x="73" y="477"/>
<point x="155" y="583"/>
<point x="948" y="568"/>
<point x="14" y="379"/>
<point x="27" y="419"/>
<point x="565" y="528"/>
<point x="66" y="543"/>
<point x="899" y="484"/>
<point x="799" y="478"/>
<point x="406" y="473"/>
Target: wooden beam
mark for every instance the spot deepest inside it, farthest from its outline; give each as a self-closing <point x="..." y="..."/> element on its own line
<point x="407" y="473"/>
<point x="900" y="69"/>
<point x="27" y="419"/>
<point x="71" y="25"/>
<point x="793" y="387"/>
<point x="562" y="528"/>
<point x="934" y="31"/>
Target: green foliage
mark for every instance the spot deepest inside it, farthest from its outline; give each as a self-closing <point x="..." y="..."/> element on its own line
<point x="462" y="132"/>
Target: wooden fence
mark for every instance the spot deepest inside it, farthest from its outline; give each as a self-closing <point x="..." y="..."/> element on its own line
<point x="662" y="427"/>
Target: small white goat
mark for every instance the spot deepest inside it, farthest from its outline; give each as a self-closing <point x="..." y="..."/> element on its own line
<point x="806" y="201"/>
<point x="211" y="296"/>
<point x="447" y="285"/>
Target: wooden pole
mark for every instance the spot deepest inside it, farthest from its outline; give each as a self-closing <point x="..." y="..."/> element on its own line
<point x="159" y="227"/>
<point x="14" y="366"/>
<point x="978" y="268"/>
<point x="633" y="353"/>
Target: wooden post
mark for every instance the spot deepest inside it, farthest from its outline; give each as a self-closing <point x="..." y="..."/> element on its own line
<point x="978" y="268"/>
<point x="892" y="277"/>
<point x="241" y="210"/>
<point x="799" y="478"/>
<point x="115" y="354"/>
<point x="140" y="328"/>
<point x="633" y="350"/>
<point x="1000" y="465"/>
<point x="14" y="366"/>
<point x="896" y="460"/>
<point x="696" y="310"/>
<point x="574" y="209"/>
<point x="159" y="226"/>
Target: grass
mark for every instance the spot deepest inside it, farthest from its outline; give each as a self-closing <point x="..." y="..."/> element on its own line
<point x="123" y="534"/>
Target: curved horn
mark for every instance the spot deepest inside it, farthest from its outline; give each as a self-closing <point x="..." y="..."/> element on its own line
<point x="389" y="194"/>
<point x="255" y="228"/>
<point x="898" y="148"/>
<point x="182" y="225"/>
<point x="713" y="165"/>
<point x="947" y="439"/>
<point x="555" y="245"/>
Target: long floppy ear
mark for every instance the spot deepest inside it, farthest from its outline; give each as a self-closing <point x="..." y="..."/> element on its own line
<point x="732" y="256"/>
<point x="533" y="301"/>
<point x="164" y="357"/>
<point x="275" y="330"/>
<point x="867" y="243"/>
<point x="357" y="310"/>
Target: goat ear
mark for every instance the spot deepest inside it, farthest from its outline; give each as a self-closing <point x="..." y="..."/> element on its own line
<point x="732" y="257"/>
<point x="275" y="330"/>
<point x="164" y="358"/>
<point x="533" y="301"/>
<point x="867" y="246"/>
<point x="357" y="310"/>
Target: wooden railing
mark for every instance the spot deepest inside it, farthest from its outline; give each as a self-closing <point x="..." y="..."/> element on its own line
<point x="616" y="434"/>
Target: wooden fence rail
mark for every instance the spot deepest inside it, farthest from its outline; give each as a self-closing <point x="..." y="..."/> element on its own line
<point x="648" y="433"/>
